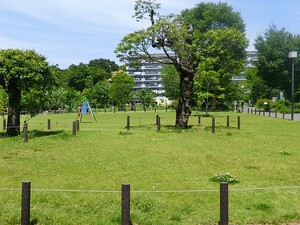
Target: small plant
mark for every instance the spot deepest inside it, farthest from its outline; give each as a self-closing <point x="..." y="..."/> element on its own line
<point x="229" y="134"/>
<point x="251" y="167"/>
<point x="125" y="133"/>
<point x="285" y="153"/>
<point x="224" y="177"/>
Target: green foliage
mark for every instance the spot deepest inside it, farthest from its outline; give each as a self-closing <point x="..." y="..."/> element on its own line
<point x="255" y="84"/>
<point x="264" y="104"/>
<point x="170" y="80"/>
<point x="282" y="106"/>
<point x="121" y="88"/>
<point x="224" y="177"/>
<point x="22" y="70"/>
<point x="210" y="34"/>
<point x="207" y="16"/>
<point x="146" y="97"/>
<point x="274" y="65"/>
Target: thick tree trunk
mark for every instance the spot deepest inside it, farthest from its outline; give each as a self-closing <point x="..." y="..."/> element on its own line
<point x="13" y="120"/>
<point x="183" y="110"/>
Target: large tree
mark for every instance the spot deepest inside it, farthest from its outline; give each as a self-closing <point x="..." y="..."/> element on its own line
<point x="21" y="70"/>
<point x="274" y="65"/>
<point x="121" y="88"/>
<point x="185" y="36"/>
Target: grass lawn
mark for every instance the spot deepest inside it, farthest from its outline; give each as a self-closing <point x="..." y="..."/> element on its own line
<point x="263" y="154"/>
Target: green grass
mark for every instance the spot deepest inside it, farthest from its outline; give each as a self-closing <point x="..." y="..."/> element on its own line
<point x="103" y="155"/>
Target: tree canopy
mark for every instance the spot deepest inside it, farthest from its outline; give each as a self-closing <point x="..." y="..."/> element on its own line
<point x="121" y="88"/>
<point x="210" y="33"/>
<point x="274" y="65"/>
<point x="21" y="70"/>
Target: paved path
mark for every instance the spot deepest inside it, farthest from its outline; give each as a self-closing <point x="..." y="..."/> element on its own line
<point x="273" y="114"/>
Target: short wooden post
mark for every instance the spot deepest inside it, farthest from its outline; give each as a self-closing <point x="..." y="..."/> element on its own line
<point x="128" y="123"/>
<point x="156" y="119"/>
<point x="248" y="110"/>
<point x="227" y="120"/>
<point x="125" y="214"/>
<point x="74" y="127"/>
<point x="199" y="119"/>
<point x="259" y="112"/>
<point x="213" y="128"/>
<point x="4" y="124"/>
<point x="275" y="114"/>
<point x="49" y="124"/>
<point x="251" y="110"/>
<point x="255" y="111"/>
<point x="239" y="122"/>
<point x="25" y="204"/>
<point x="283" y="115"/>
<point x="158" y="124"/>
<point x="264" y="113"/>
<point x="77" y="123"/>
<point x="223" y="203"/>
<point x="25" y="130"/>
<point x="269" y="113"/>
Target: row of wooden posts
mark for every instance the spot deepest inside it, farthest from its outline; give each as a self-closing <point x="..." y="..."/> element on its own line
<point x="125" y="204"/>
<point x="75" y="128"/>
<point x="75" y="125"/>
<point x="213" y="122"/>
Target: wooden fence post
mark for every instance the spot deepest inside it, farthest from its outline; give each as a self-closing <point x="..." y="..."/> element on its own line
<point x="74" y="127"/>
<point x="25" y="130"/>
<point x="49" y="124"/>
<point x="223" y="203"/>
<point x="199" y="119"/>
<point x="158" y="124"/>
<point x="227" y="120"/>
<point x="4" y="124"/>
<point x="275" y="114"/>
<point x="239" y="122"/>
<point x="25" y="204"/>
<point x="125" y="214"/>
<point x="213" y="128"/>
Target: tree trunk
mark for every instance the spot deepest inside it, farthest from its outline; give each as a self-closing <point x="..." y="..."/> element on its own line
<point x="183" y="110"/>
<point x="13" y="119"/>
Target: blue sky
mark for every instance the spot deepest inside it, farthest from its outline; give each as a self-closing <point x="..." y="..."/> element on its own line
<point x="72" y="31"/>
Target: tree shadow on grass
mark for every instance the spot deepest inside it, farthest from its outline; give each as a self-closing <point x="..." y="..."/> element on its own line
<point x="36" y="133"/>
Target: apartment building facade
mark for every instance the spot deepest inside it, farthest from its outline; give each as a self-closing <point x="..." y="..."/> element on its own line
<point x="148" y="75"/>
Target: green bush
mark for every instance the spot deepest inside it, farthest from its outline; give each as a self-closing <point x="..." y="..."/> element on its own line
<point x="297" y="107"/>
<point x="263" y="104"/>
<point x="282" y="106"/>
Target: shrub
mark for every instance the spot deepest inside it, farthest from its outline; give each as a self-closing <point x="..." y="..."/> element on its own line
<point x="282" y="106"/>
<point x="263" y="104"/>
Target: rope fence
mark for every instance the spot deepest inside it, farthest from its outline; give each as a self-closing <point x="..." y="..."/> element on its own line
<point x="154" y="191"/>
<point x="125" y="198"/>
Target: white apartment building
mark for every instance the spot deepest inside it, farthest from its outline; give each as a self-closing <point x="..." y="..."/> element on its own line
<point x="148" y="75"/>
